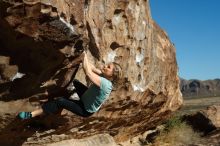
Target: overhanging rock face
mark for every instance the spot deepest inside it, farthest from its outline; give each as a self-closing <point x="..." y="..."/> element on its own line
<point x="41" y="37"/>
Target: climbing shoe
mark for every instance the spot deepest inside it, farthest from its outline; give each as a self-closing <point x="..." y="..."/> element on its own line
<point x="25" y="115"/>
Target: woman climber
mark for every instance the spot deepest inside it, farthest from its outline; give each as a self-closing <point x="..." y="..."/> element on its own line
<point x="91" y="98"/>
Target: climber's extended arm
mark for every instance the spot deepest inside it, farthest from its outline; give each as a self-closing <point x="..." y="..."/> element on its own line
<point x="90" y="71"/>
<point x="96" y="70"/>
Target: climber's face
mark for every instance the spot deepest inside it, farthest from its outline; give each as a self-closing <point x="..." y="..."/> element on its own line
<point x="107" y="70"/>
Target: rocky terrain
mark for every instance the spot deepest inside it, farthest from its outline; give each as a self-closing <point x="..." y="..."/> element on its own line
<point x="39" y="44"/>
<point x="207" y="122"/>
<point x="198" y="88"/>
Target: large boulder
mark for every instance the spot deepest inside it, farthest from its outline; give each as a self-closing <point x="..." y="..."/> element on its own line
<point x="42" y="37"/>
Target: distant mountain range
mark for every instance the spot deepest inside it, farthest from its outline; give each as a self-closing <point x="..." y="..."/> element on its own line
<point x="198" y="88"/>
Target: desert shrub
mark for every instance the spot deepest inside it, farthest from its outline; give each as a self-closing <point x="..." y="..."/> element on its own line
<point x="173" y="122"/>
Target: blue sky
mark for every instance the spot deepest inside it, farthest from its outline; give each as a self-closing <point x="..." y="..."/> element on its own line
<point x="194" y="27"/>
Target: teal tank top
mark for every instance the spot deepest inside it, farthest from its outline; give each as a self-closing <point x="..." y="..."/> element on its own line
<point x="94" y="96"/>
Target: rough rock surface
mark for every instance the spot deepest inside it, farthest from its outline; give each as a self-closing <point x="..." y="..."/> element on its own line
<point x="40" y="38"/>
<point x="213" y="113"/>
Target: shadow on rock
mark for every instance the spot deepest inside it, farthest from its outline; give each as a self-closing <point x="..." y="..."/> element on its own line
<point x="18" y="131"/>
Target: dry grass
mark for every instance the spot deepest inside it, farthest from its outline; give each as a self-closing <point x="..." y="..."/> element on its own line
<point x="177" y="133"/>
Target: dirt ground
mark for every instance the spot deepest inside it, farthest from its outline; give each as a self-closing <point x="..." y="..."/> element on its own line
<point x="191" y="105"/>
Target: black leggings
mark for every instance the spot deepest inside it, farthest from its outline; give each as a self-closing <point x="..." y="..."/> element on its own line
<point x="75" y="106"/>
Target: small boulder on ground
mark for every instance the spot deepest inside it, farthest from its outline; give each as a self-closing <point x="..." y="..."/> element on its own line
<point x="205" y="121"/>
